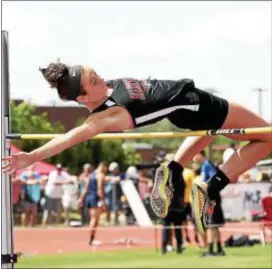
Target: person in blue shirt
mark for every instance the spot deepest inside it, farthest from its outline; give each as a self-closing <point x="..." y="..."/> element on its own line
<point x="215" y="220"/>
<point x="83" y="178"/>
<point x="31" y="195"/>
<point x="207" y="168"/>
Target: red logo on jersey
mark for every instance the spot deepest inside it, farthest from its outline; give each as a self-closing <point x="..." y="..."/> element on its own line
<point x="135" y="88"/>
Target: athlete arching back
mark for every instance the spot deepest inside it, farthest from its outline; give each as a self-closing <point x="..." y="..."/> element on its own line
<point x="149" y="101"/>
<point x="113" y="109"/>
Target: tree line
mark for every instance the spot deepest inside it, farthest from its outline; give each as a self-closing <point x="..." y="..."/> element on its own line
<point x="24" y="120"/>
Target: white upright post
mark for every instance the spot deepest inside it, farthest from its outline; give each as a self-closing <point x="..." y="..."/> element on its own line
<point x="7" y="256"/>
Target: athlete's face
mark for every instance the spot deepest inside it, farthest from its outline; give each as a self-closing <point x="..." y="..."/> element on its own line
<point x="93" y="90"/>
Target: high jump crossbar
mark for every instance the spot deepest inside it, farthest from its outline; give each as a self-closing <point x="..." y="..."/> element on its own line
<point x="126" y="135"/>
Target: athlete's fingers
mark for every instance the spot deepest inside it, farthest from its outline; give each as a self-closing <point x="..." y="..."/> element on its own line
<point x="6" y="166"/>
<point x="11" y="171"/>
<point x="8" y="158"/>
<point x="5" y="170"/>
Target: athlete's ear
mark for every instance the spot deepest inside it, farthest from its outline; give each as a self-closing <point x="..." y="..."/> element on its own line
<point x="83" y="98"/>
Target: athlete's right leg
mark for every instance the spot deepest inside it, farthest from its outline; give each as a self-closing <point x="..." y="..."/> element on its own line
<point x="190" y="147"/>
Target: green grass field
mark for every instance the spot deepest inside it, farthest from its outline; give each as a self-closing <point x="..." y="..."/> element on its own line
<point x="254" y="257"/>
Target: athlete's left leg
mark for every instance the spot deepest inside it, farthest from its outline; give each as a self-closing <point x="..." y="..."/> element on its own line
<point x="259" y="146"/>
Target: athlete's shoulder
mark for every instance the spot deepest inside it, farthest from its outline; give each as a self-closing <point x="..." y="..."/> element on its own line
<point x="110" y="102"/>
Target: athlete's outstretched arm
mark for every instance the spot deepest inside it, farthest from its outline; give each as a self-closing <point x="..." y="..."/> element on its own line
<point x="113" y="119"/>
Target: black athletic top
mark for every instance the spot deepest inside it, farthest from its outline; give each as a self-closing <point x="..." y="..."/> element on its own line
<point x="149" y="101"/>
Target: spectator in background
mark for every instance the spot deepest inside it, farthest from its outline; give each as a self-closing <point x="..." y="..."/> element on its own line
<point x="131" y="174"/>
<point x="175" y="216"/>
<point x="188" y="176"/>
<point x="145" y="172"/>
<point x="53" y="193"/>
<point x="69" y="193"/>
<point x="145" y="179"/>
<point x="84" y="177"/>
<point x="113" y="192"/>
<point x="94" y="196"/>
<point x="31" y="195"/>
<point x="267" y="207"/>
<point x="136" y="176"/>
<point x="87" y="169"/>
<point x="16" y="192"/>
<point x="215" y="220"/>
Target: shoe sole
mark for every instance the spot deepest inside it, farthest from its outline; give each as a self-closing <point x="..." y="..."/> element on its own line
<point x="198" y="217"/>
<point x="158" y="198"/>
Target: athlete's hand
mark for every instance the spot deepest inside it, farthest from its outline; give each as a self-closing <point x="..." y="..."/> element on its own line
<point x="17" y="161"/>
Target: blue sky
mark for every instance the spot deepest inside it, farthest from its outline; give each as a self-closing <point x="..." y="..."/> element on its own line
<point x="221" y="45"/>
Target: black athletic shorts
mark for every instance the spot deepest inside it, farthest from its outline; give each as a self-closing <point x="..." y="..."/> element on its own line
<point x="175" y="215"/>
<point x="211" y="114"/>
<point x="188" y="211"/>
<point x="217" y="218"/>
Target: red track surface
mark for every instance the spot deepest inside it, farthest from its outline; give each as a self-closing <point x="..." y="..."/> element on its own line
<point x="34" y="241"/>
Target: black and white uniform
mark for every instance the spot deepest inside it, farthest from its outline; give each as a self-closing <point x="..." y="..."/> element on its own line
<point x="149" y="101"/>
